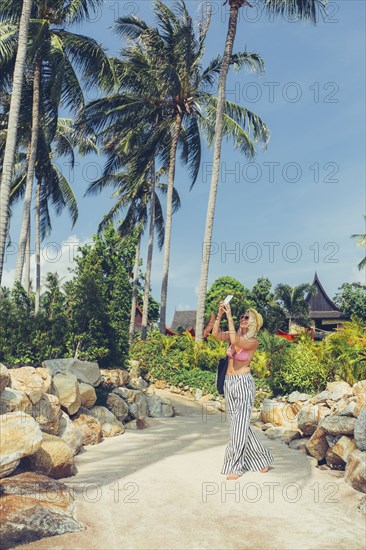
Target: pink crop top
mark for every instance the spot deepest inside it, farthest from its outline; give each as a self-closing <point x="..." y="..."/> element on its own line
<point x="242" y="355"/>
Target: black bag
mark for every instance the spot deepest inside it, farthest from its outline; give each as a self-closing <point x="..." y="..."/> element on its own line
<point x="220" y="376"/>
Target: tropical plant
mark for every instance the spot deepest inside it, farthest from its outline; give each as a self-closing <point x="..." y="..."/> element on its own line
<point x="10" y="147"/>
<point x="361" y="241"/>
<point x="301" y="9"/>
<point x="292" y="300"/>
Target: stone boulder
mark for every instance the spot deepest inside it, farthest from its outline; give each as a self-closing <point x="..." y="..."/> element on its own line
<point x="88" y="396"/>
<point x="333" y="460"/>
<point x="136" y="401"/>
<point x="309" y="416"/>
<point x="160" y="384"/>
<point x="282" y="433"/>
<point x="114" y="378"/>
<point x="348" y="409"/>
<point x="66" y="387"/>
<point x="34" y="506"/>
<point x="54" y="458"/>
<point x="71" y="433"/>
<point x="4" y="377"/>
<point x="344" y="446"/>
<point x="47" y="412"/>
<point x="359" y="391"/>
<point x="298" y="396"/>
<point x="110" y="425"/>
<point x="118" y="406"/>
<point x="355" y="474"/>
<point x="336" y="424"/>
<point x="137" y="424"/>
<point x="29" y="381"/>
<point x="299" y="444"/>
<point x="89" y="426"/>
<point x="20" y="436"/>
<point x="85" y="371"/>
<point x="14" y="400"/>
<point x="360" y="430"/>
<point x="46" y="377"/>
<point x="317" y="445"/>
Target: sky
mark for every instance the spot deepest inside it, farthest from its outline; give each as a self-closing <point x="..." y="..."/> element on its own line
<point x="288" y="212"/>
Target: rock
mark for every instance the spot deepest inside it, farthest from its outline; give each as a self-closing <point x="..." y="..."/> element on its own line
<point x="297" y="396"/>
<point x="197" y="394"/>
<point x="168" y="410"/>
<point x="317" y="445"/>
<point x="344" y="446"/>
<point x="361" y="507"/>
<point x="333" y="460"/>
<point x="47" y="412"/>
<point x="34" y="506"/>
<point x="360" y="430"/>
<point x="85" y="371"/>
<point x="309" y="417"/>
<point x="336" y="424"/>
<point x="279" y="432"/>
<point x="139" y="383"/>
<point x="46" y="377"/>
<point x="266" y="426"/>
<point x="278" y="413"/>
<point x="297" y="406"/>
<point x="118" y="406"/>
<point x="90" y="427"/>
<point x="137" y="424"/>
<point x="348" y="410"/>
<point x="136" y="400"/>
<point x="71" y="433"/>
<point x="27" y="380"/>
<point x="134" y="368"/>
<point x="332" y="439"/>
<point x="4" y="377"/>
<point x="355" y="474"/>
<point x="110" y="425"/>
<point x="88" y="396"/>
<point x="14" y="400"/>
<point x="341" y="388"/>
<point x="359" y="390"/>
<point x="114" y="378"/>
<point x="66" y="387"/>
<point x="20" y="436"/>
<point x="299" y="444"/>
<point x="154" y="406"/>
<point x="160" y="384"/>
<point x="54" y="458"/>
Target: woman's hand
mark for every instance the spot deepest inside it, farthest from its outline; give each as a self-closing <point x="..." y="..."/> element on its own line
<point x="227" y="310"/>
<point x="222" y="309"/>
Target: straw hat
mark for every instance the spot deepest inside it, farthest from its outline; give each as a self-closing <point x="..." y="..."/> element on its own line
<point x="257" y="316"/>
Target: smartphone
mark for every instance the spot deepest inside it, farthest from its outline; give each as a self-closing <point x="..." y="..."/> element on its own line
<point x="228" y="298"/>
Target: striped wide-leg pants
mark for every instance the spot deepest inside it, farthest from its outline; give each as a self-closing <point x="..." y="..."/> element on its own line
<point x="244" y="451"/>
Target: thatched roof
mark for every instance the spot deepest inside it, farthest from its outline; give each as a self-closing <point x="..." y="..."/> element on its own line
<point x="185" y="319"/>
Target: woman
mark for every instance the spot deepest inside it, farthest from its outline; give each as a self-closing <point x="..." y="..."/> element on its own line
<point x="244" y="450"/>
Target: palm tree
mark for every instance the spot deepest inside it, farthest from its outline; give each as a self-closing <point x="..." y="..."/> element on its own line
<point x="361" y="241"/>
<point x="54" y="55"/>
<point x="10" y="146"/>
<point x="176" y="88"/>
<point x="302" y="9"/>
<point x="293" y="301"/>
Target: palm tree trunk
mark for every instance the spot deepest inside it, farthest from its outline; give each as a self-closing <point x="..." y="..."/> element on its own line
<point x="38" y="247"/>
<point x="145" y="301"/>
<point x="30" y="171"/>
<point x="27" y="261"/>
<point x="11" y="138"/>
<point x="134" y="286"/>
<point x="168" y="222"/>
<point x="233" y="20"/>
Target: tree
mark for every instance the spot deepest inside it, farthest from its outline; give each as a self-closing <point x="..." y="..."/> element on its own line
<point x="302" y="9"/>
<point x="10" y="147"/>
<point x="361" y="241"/>
<point x="218" y="291"/>
<point x="264" y="302"/>
<point x="292" y="300"/>
<point x="351" y="300"/>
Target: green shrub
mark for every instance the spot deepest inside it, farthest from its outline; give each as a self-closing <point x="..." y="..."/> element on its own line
<point x="297" y="368"/>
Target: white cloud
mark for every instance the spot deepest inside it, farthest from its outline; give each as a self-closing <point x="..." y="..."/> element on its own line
<point x="55" y="258"/>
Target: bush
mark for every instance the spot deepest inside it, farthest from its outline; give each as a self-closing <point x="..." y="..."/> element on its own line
<point x="297" y="368"/>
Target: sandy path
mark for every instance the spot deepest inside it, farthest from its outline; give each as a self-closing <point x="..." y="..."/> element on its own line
<point x="161" y="488"/>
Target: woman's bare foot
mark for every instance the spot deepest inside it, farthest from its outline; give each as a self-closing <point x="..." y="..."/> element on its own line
<point x="233" y="476"/>
<point x="264" y="470"/>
